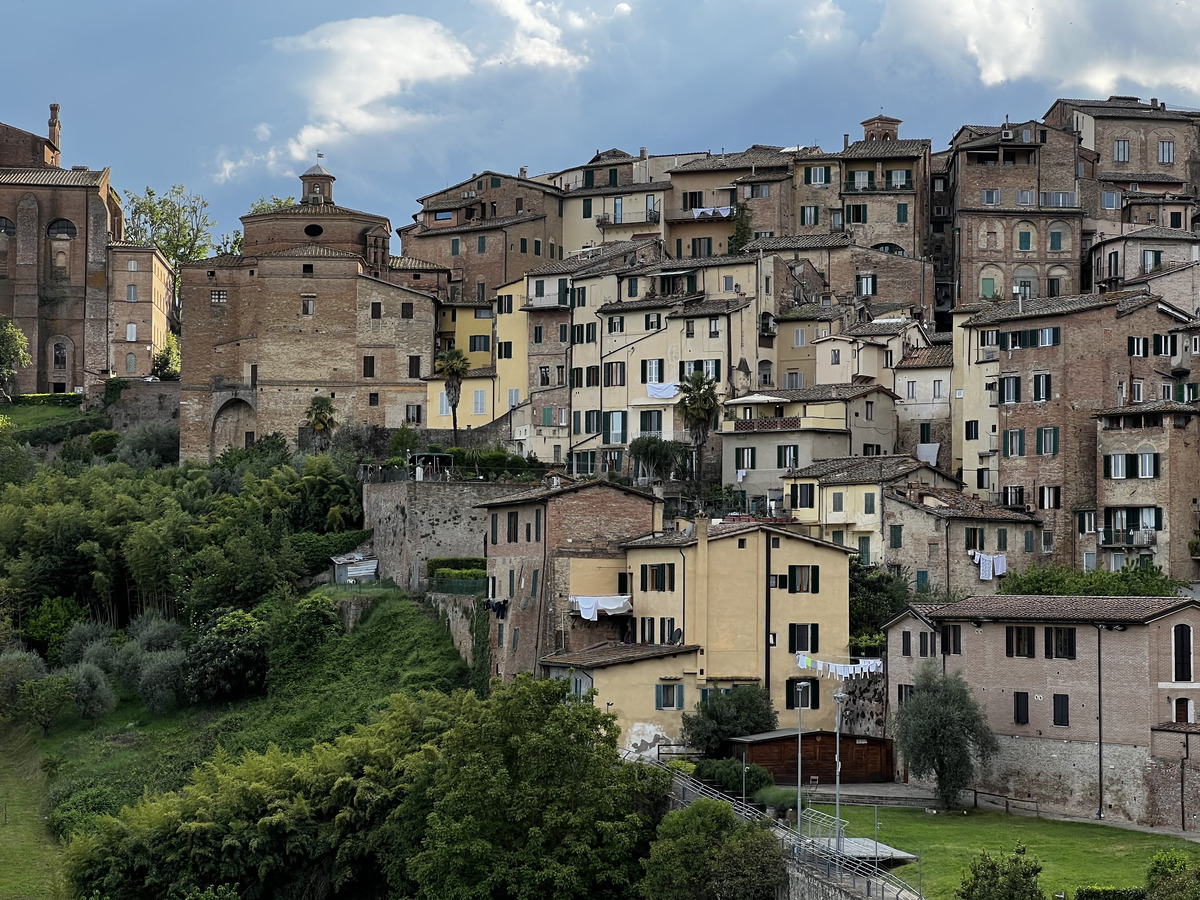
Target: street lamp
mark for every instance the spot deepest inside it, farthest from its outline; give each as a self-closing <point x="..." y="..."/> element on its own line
<point x="839" y="698"/>
<point x="800" y="687"/>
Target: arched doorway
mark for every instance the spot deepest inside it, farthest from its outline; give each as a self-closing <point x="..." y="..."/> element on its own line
<point x="233" y="426"/>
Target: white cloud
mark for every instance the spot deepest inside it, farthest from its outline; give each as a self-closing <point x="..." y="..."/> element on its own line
<point x="262" y="131"/>
<point x="537" y="41"/>
<point x="1070" y="44"/>
<point x="622" y="9"/>
<point x="360" y="67"/>
<point x="824" y="23"/>
<point x="270" y="159"/>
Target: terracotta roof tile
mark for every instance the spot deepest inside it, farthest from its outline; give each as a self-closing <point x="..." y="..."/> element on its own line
<point x="938" y="356"/>
<point x="479" y="225"/>
<point x="1013" y="310"/>
<point x="859" y="469"/>
<point x="958" y="505"/>
<point x="411" y="262"/>
<point x="614" y="654"/>
<point x="886" y="149"/>
<point x="799" y="242"/>
<point x="52" y="177"/>
<point x="1039" y="608"/>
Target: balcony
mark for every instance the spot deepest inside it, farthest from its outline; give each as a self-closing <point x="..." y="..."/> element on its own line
<point x="613" y="220"/>
<point x="991" y="444"/>
<point x="849" y="187"/>
<point x="662" y="435"/>
<point x="781" y="423"/>
<point x="1128" y="537"/>
<point x="701" y="213"/>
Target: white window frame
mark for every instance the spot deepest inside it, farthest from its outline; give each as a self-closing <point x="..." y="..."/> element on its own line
<point x="479" y="402"/>
<point x="1166" y="152"/>
<point x="1145" y="465"/>
<point x="443" y="404"/>
<point x="989" y="197"/>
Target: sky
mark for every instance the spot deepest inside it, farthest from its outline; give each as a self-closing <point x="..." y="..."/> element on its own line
<point x="235" y="99"/>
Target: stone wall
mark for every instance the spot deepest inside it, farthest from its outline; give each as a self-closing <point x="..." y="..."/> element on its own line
<point x="865" y="712"/>
<point x="143" y="402"/>
<point x="459" y="611"/>
<point x="414" y="520"/>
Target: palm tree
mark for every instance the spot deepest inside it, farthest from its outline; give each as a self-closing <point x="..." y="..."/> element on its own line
<point x="698" y="404"/>
<point x="453" y="366"/>
<point x="319" y="418"/>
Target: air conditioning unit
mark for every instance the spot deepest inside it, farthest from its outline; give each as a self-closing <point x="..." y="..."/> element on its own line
<point x="1006" y="135"/>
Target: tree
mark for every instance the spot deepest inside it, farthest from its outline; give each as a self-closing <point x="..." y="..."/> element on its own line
<point x="167" y="361"/>
<point x="230" y="660"/>
<point x="941" y="729"/>
<point x="875" y="596"/>
<point x="1011" y="877"/>
<point x="1134" y="580"/>
<point x="698" y="405"/>
<point x="453" y="366"/>
<point x="176" y="222"/>
<point x="233" y="244"/>
<point x="319" y="417"/>
<point x="94" y="697"/>
<point x="658" y="457"/>
<point x="1171" y="876"/>
<point x="14" y="355"/>
<point x="703" y="852"/>
<point x="40" y="701"/>
<point x="742" y="235"/>
<point x="744" y="710"/>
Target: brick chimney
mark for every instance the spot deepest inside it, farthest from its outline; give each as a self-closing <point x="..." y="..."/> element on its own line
<point x="55" y="132"/>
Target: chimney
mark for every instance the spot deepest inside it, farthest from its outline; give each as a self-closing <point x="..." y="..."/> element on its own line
<point x="642" y="154"/>
<point x="524" y="172"/>
<point x="55" y="126"/>
<point x="845" y="141"/>
<point x="1154" y="103"/>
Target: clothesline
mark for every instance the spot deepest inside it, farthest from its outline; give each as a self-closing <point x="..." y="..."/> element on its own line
<point x="840" y="671"/>
<point x="990" y="564"/>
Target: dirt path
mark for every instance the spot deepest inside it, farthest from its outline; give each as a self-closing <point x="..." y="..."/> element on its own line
<point x="30" y="857"/>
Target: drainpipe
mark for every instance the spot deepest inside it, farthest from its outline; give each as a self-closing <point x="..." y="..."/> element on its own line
<point x="1099" y="722"/>
<point x="683" y="593"/>
<point x="949" y="589"/>
<point x="767" y="600"/>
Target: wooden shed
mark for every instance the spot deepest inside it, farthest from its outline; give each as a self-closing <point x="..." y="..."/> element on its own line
<point x="864" y="759"/>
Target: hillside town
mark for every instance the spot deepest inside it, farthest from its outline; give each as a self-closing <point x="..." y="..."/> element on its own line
<point x="748" y="373"/>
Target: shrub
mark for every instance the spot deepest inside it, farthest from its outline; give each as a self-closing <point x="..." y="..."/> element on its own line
<point x="78" y="637"/>
<point x="315" y="549"/>
<point x="464" y="574"/>
<point x="102" y="653"/>
<point x="728" y="774"/>
<point x="153" y="632"/>
<point x="1165" y="865"/>
<point x="43" y="435"/>
<point x="94" y="697"/>
<point x="161" y="683"/>
<point x="128" y="669"/>
<point x="314" y="621"/>
<point x="1108" y="892"/>
<point x="49" y="623"/>
<point x="744" y="710"/>
<point x="151" y="446"/>
<point x="230" y="660"/>
<point x="434" y="563"/>
<point x="16" y="668"/>
<point x="780" y="798"/>
<point x="102" y="443"/>
<point x="67" y="401"/>
<point x="81" y="807"/>
<point x="682" y="766"/>
<point x="40" y="701"/>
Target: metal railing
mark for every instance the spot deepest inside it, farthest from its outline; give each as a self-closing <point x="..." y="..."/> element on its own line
<point x="1009" y="802"/>
<point x="814" y="843"/>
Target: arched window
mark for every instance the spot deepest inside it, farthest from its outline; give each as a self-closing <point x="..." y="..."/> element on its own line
<point x="130" y="363"/>
<point x="60" y="355"/>
<point x="61" y="229"/>
<point x="1182" y="645"/>
<point x="131" y="293"/>
<point x="133" y="265"/>
<point x="7" y="227"/>
<point x="1025" y="280"/>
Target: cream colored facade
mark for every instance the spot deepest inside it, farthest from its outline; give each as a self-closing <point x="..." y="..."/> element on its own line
<point x="798" y="329"/>
<point x="477" y="405"/>
<point x="974" y="400"/>
<point x="629" y="212"/>
<point x="863" y="354"/>
<point x="725" y="591"/>
<point x="140" y="307"/>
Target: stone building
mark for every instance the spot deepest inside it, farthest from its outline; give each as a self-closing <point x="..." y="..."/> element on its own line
<point x="1093" y="699"/>
<point x="65" y="276"/>
<point x="924" y="383"/>
<point x="1152" y="255"/>
<point x="307" y="310"/>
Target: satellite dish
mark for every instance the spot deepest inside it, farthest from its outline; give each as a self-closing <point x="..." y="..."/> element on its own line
<point x="677" y="636"/>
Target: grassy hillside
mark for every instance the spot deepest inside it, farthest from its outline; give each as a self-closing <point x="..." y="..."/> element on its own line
<point x="29" y="855"/>
<point x="398" y="646"/>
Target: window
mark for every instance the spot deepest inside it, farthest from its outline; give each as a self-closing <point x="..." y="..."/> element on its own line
<point x="1060" y="643"/>
<point x="806" y="690"/>
<point x="937" y="391"/>
<point x="631" y="285"/>
<point x="479" y="406"/>
<point x="1135" y="390"/>
<point x="1120" y="151"/>
<point x="1110" y="199"/>
<point x="537" y="247"/>
<point x="1018" y="641"/>
<point x="504" y="350"/>
<point x="906" y="643"/>
<point x="1062" y="710"/>
<point x="714" y="326"/>
<point x="1021" y="707"/>
<point x="218" y="296"/>
<point x="653" y="321"/>
<point x="989" y="198"/>
<point x="835" y="357"/>
<point x="971" y="428"/>
<point x="787" y="457"/>
<point x="480" y="343"/>
<point x="856" y="214"/>
<point x="414" y="367"/>
<point x="1049" y="496"/>
<point x="1025" y="198"/>
<point x="1058" y="198"/>
<point x="131" y="293"/>
<point x="1148" y="465"/>
<point x="803" y="637"/>
<point x="987" y="287"/>
<point x="308" y="306"/>
<point x="869" y="410"/>
<point x="1181" y="643"/>
<point x="368" y="367"/>
<point x="1047" y="540"/>
<point x="743" y="458"/>
<point x="614" y="374"/>
<point x="974" y="537"/>
<point x="902" y="213"/>
<point x="131" y="332"/>
<point x="668" y="696"/>
<point x="537" y="334"/>
<point x="816" y="174"/>
<point x="866" y="285"/>
<point x="1056" y="241"/>
<point x="372" y="399"/>
<point x="1014" y="442"/>
<point x="869" y="503"/>
<point x="1010" y="389"/>
<point x="1041" y="386"/>
<point x="130" y="363"/>
<point x="1166" y="151"/>
<point x="562" y="333"/>
<point x="805" y="580"/>
<point x="911" y="391"/>
<point x="804" y="496"/>
<point x="896" y="536"/>
<point x="798" y="338"/>
<point x="838" y="501"/>
<point x="1024" y="240"/>
<point x="593" y="376"/>
<point x="132" y="266"/>
<point x="810" y="215"/>
<point x="658" y="577"/>
<point x="587" y="208"/>
<point x="1047" y="440"/>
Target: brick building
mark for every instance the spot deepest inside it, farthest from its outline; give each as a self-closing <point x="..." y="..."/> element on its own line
<point x="306" y="310"/>
<point x="924" y="383"/>
<point x="65" y="276"/>
<point x="533" y="543"/>
<point x="1093" y="699"/>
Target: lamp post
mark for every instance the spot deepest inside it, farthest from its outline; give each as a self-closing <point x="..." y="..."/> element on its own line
<point x="839" y="698"/>
<point x="800" y="687"/>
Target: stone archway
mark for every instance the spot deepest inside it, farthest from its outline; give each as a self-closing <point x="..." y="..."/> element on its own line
<point x="234" y="425"/>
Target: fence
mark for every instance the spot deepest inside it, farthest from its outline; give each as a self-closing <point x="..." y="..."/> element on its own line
<point x="1009" y="802"/>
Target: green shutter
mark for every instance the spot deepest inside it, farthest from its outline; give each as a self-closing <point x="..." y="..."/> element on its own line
<point x="1158" y="343"/>
<point x="495" y="527"/>
<point x="1040" y="442"/>
<point x="658" y="695"/>
<point x="1129" y="346"/>
<point x="1057" y="337"/>
<point x="1107" y="466"/>
<point x="828" y="171"/>
<point x="1054" y="434"/>
<point x="1082" y="517"/>
<point x="644" y="371"/>
<point x="1004" y="450"/>
<point x="645" y="568"/>
<point x="814" y="634"/>
<point x="1158" y="518"/>
<point x="587" y="208"/>
<point x="1020" y="442"/>
<point x="779" y="456"/>
<point x="815" y="587"/>
<point x="793" y="581"/>
<point x="808" y="174"/>
<point x="577" y="418"/>
<point x="1157" y="464"/>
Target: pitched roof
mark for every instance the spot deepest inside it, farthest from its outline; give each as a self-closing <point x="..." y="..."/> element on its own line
<point x="541" y="494"/>
<point x="317" y="169"/>
<point x="53" y="177"/>
<point x="880" y="328"/>
<point x="312" y="249"/>
<point x="617" y="306"/>
<point x="695" y="308"/>
<point x="488" y="173"/>
<point x="1141" y="177"/>
<point x="1052" y="608"/>
<point x="814" y="312"/>
<point x="954" y="504"/>
<point x="941" y="337"/>
<point x="860" y="469"/>
<point x="314" y="209"/>
<point x="1121" y="107"/>
<point x="1154" y="406"/>
<point x="411" y="262"/>
<point x="756" y="155"/>
<point x="1012" y="310"/>
<point x="1154" y="233"/>
<point x="886" y="149"/>
<point x="479" y="225"/>
<point x="593" y="258"/>
<point x="937" y="356"/>
<point x="602" y="190"/>
<point x="817" y="394"/>
<point x="718" y="532"/>
<point x="614" y="654"/>
<point x="799" y="242"/>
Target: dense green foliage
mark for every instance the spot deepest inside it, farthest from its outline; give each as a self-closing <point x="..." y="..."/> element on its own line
<point x="1172" y="875"/>
<point x="875" y="596"/>
<point x="728" y="774"/>
<point x="14" y="353"/>
<point x="229" y="661"/>
<point x="434" y="563"/>
<point x="703" y="852"/>
<point x="1132" y="581"/>
<point x="66" y="401"/>
<point x="41" y="700"/>
<point x="941" y="730"/>
<point x="1107" y="892"/>
<point x="744" y="710"/>
<point x="166" y="362"/>
<point x="1013" y="876"/>
<point x="521" y="795"/>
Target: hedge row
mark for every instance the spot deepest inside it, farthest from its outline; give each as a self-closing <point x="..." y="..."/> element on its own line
<point x="454" y="562"/>
<point x="67" y="401"/>
<point x="43" y="435"/>
<point x="1107" y="892"/>
<point x="464" y="574"/>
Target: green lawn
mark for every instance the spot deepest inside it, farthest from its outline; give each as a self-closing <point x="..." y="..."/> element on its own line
<point x="1073" y="854"/>
<point x="29" y="854"/>
<point x="37" y="416"/>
